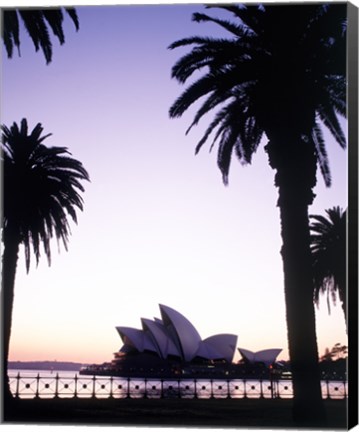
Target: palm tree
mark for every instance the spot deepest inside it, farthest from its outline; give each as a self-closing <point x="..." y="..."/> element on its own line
<point x="41" y="191"/>
<point x="37" y="22"/>
<point x="328" y="246"/>
<point x="280" y="73"/>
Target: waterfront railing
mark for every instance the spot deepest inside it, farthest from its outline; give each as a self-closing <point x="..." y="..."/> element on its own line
<point x="79" y="386"/>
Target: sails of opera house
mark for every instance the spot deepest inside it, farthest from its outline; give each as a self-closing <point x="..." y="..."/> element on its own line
<point x="171" y="346"/>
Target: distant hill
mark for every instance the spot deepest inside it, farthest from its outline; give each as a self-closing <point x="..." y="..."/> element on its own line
<point x="45" y="365"/>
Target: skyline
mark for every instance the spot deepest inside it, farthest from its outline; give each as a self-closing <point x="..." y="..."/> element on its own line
<point x="172" y="232"/>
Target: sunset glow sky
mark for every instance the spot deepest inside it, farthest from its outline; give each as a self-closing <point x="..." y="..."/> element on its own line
<point x="158" y="224"/>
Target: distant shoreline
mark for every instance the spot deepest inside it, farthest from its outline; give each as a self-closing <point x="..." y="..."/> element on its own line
<point x="45" y="365"/>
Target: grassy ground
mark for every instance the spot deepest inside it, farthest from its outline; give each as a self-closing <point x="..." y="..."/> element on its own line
<point x="258" y="413"/>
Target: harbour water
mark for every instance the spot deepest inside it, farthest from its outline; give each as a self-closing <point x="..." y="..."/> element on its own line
<point x="67" y="384"/>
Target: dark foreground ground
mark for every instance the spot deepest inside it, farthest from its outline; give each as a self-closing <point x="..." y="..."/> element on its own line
<point x="245" y="413"/>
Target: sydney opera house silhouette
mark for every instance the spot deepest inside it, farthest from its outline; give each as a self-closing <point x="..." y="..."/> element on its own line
<point x="175" y="336"/>
<point x="171" y="346"/>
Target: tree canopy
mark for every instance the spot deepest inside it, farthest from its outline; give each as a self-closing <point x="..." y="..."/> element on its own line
<point x="38" y="23"/>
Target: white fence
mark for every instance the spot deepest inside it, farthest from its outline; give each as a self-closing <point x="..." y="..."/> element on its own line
<point x="81" y="386"/>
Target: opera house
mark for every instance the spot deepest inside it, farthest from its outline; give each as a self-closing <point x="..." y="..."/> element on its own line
<point x="174" y="336"/>
<point x="171" y="346"/>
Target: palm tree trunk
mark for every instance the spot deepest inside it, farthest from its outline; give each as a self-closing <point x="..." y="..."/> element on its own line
<point x="295" y="177"/>
<point x="10" y="256"/>
<point x="303" y="350"/>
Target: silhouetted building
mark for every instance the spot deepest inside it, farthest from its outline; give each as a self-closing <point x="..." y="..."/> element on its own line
<point x="265" y="357"/>
<point x="174" y="336"/>
<point x="171" y="346"/>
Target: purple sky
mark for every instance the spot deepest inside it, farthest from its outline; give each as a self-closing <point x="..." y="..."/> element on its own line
<point x="158" y="224"/>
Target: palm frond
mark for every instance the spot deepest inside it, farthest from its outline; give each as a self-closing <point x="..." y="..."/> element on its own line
<point x="73" y="15"/>
<point x="251" y="138"/>
<point x="322" y="155"/>
<point x="281" y="67"/>
<point x="215" y="55"/>
<point x="193" y="40"/>
<point x="54" y="17"/>
<point x="37" y="23"/>
<point x="230" y="79"/>
<point x="328" y="247"/>
<point x="46" y="183"/>
<point x="330" y="119"/>
<point x="238" y="132"/>
<point x="23" y="128"/>
<point x="214" y="100"/>
<point x="249" y="15"/>
<point x="195" y="91"/>
<point x="332" y="92"/>
<point x="218" y="119"/>
<point x="10" y="31"/>
<point x="224" y="155"/>
<point x="237" y="30"/>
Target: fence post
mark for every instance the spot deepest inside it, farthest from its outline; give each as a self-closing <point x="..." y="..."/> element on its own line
<point x="17" y="385"/>
<point x="328" y="394"/>
<point x="37" y="385"/>
<point x="57" y="385"/>
<point x="94" y="386"/>
<point x="75" y="392"/>
<point x="111" y="386"/>
<point x="245" y="389"/>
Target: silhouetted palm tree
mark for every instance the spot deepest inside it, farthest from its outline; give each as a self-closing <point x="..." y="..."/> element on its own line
<point x="328" y="246"/>
<point x="37" y="23"/>
<point x="281" y="72"/>
<point x="41" y="191"/>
